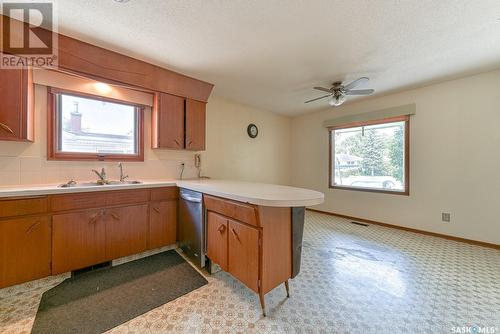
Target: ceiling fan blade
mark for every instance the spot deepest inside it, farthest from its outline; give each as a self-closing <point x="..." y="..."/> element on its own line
<point x="356" y="83"/>
<point x="323" y="89"/>
<point x="360" y="92"/>
<point x="318" y="98"/>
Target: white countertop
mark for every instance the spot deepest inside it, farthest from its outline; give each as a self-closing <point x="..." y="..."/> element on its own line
<point x="249" y="192"/>
<point x="256" y="193"/>
<point x="53" y="189"/>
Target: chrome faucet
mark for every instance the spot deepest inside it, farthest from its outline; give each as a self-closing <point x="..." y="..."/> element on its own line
<point x="101" y="176"/>
<point x="122" y="177"/>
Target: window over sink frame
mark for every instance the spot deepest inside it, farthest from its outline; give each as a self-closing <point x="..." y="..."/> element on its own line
<point x="405" y="119"/>
<point x="54" y="128"/>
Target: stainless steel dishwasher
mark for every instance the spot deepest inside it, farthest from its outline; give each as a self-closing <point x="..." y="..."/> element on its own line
<point x="192" y="226"/>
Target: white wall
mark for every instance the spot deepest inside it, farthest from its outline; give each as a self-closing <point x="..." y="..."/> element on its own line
<point x="454" y="160"/>
<point x="454" y="163"/>
<point x="230" y="154"/>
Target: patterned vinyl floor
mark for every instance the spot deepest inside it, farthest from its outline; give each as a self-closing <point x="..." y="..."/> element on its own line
<point x="354" y="279"/>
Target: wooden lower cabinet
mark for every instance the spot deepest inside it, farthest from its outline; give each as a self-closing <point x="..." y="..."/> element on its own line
<point x="252" y="243"/>
<point x="162" y="224"/>
<point x="24" y="249"/>
<point x="234" y="246"/>
<point x="78" y="240"/>
<point x="217" y="242"/>
<point x="243" y="254"/>
<point x="126" y="230"/>
<point x="44" y="235"/>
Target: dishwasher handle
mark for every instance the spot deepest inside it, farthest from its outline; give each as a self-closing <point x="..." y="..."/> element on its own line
<point x="191" y="198"/>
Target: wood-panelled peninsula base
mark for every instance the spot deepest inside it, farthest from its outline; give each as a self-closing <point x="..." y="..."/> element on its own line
<point x="260" y="246"/>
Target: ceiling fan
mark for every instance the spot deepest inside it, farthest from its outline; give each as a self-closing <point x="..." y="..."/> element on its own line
<point x="338" y="92"/>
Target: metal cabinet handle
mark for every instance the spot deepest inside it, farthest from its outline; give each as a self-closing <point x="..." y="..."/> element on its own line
<point x="221" y="228"/>
<point x="32" y="227"/>
<point x="6" y="127"/>
<point x="93" y="218"/>
<point x="178" y="144"/>
<point x="235" y="234"/>
<point x="189" y="143"/>
<point x="115" y="216"/>
<point x="96" y="216"/>
<point x="156" y="210"/>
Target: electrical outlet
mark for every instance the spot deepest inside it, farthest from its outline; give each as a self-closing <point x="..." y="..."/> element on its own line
<point x="445" y="216"/>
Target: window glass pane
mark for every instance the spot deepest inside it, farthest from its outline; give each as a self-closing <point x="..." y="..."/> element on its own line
<point x="371" y="156"/>
<point x="95" y="126"/>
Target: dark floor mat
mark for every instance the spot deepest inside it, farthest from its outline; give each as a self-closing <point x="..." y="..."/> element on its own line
<point x="95" y="302"/>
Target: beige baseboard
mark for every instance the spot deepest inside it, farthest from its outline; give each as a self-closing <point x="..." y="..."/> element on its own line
<point x="439" y="235"/>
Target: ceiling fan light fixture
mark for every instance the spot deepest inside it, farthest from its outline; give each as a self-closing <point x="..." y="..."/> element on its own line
<point x="336" y="101"/>
<point x="337" y="94"/>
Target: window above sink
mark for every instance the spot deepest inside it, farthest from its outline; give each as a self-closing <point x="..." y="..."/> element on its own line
<point x="90" y="127"/>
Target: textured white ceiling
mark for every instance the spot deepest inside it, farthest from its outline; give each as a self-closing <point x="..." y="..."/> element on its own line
<point x="269" y="53"/>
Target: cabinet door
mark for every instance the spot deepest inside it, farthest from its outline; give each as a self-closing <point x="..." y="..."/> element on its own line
<point x="168" y="122"/>
<point x="126" y="230"/>
<point x="217" y="239"/>
<point x="243" y="261"/>
<point x="16" y="105"/>
<point x="12" y="104"/>
<point x="162" y="224"/>
<point x="195" y="125"/>
<point x="77" y="240"/>
<point x="24" y="250"/>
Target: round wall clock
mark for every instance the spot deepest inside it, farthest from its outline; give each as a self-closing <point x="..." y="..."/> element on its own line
<point x="252" y="130"/>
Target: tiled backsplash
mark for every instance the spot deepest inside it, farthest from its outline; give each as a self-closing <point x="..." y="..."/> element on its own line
<point x="35" y="170"/>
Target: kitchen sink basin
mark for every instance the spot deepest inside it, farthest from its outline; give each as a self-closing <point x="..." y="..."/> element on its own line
<point x="111" y="183"/>
<point x="96" y="184"/>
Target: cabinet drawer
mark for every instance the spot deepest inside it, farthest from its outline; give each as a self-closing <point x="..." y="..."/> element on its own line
<point x="164" y="194"/>
<point x="243" y="212"/>
<point x="127" y="197"/>
<point x="24" y="206"/>
<point x="77" y="201"/>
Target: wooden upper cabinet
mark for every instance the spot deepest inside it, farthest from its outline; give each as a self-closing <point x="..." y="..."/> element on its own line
<point x="16" y="105"/>
<point x="178" y="123"/>
<point x="24" y="249"/>
<point x="217" y="229"/>
<point x="195" y="125"/>
<point x="168" y="122"/>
